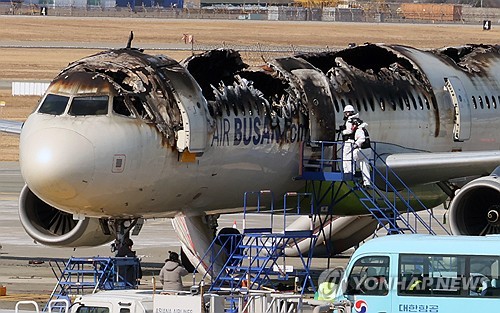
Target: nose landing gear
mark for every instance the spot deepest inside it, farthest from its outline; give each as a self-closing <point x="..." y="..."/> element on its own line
<point x="122" y="229"/>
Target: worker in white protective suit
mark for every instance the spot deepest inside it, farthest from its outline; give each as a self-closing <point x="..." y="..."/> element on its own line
<point x="362" y="151"/>
<point x="348" y="138"/>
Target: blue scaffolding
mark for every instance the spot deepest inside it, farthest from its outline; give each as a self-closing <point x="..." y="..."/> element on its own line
<point x="254" y="259"/>
<point x="395" y="208"/>
<point x="78" y="276"/>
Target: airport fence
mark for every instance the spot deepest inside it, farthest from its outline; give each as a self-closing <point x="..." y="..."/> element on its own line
<point x="386" y="12"/>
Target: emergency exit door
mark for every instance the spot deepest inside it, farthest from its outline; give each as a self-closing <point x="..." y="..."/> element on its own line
<point x="462" y="114"/>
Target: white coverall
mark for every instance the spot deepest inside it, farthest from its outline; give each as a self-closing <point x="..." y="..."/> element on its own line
<point x="347" y="148"/>
<point x="362" y="156"/>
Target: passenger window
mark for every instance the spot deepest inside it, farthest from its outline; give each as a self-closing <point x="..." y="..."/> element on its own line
<point x="393" y="103"/>
<point x="401" y="104"/>
<point x="474" y="103"/>
<point x="336" y="104"/>
<point x="484" y="276"/>
<point x="382" y="104"/>
<point x="372" y="105"/>
<point x="119" y="106"/>
<point x="407" y="102"/>
<point x="447" y="274"/>
<point x="481" y="105"/>
<point x="413" y="101"/>
<point x="494" y="102"/>
<point x="434" y="104"/>
<point x="427" y="105"/>
<point x="97" y="105"/>
<point x="369" y="276"/>
<point x="487" y="102"/>
<point x="53" y="104"/>
<point x="474" y="276"/>
<point x="365" y="106"/>
<point x="420" y="103"/>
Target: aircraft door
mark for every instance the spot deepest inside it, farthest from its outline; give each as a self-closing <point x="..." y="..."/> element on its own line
<point x="193" y="109"/>
<point x="461" y="105"/>
<point x="314" y="88"/>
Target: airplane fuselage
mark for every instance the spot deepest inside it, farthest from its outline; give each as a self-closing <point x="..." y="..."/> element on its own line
<point x="123" y="165"/>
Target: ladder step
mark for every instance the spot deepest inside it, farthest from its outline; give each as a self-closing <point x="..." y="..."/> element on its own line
<point x="78" y="284"/>
<point x="84" y="271"/>
<point x="245" y="246"/>
<point x="257" y="257"/>
<point x="299" y="233"/>
<point x="257" y="230"/>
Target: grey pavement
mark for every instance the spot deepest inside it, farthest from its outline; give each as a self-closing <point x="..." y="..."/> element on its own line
<point x="155" y="239"/>
<point x="26" y="280"/>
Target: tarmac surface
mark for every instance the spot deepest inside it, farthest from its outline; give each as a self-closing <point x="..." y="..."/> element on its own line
<point x="25" y="265"/>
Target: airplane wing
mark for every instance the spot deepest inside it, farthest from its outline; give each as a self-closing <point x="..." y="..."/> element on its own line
<point x="11" y="127"/>
<point x="421" y="168"/>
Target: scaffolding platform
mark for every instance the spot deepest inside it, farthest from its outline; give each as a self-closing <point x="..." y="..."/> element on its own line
<point x="395" y="209"/>
<point x="255" y="258"/>
<point x="78" y="276"/>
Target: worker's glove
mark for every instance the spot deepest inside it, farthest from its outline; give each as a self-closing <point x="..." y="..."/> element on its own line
<point x="355" y="146"/>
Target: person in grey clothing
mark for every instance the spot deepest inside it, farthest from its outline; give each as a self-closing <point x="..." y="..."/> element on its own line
<point x="172" y="272"/>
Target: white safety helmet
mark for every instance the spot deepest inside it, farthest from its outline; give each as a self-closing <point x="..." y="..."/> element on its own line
<point x="348" y="108"/>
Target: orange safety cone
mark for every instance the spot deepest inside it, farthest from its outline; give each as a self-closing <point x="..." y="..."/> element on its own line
<point x="234" y="225"/>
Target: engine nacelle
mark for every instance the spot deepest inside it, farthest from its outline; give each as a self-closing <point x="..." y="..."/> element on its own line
<point x="52" y="227"/>
<point x="475" y="210"/>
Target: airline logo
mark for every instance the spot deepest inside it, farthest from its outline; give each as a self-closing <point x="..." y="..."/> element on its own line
<point x="361" y="306"/>
<point x="254" y="130"/>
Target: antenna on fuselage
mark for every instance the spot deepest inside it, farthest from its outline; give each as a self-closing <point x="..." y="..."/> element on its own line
<point x="130" y="38"/>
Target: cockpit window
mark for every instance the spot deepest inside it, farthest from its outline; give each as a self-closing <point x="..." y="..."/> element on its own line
<point x="119" y="106"/>
<point x="97" y="105"/>
<point x="54" y="105"/>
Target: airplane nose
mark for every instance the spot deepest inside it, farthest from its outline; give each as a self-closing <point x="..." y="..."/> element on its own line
<point x="56" y="163"/>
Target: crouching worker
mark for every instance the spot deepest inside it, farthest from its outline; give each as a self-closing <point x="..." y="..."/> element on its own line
<point x="172" y="272"/>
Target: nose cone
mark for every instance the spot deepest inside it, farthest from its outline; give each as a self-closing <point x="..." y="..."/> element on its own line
<point x="57" y="164"/>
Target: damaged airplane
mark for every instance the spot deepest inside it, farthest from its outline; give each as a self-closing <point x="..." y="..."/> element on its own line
<point x="123" y="136"/>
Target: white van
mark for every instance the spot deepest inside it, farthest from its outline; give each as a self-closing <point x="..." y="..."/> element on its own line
<point x="422" y="273"/>
<point x="115" y="301"/>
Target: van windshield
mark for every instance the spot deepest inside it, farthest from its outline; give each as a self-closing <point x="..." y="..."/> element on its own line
<point x="369" y="276"/>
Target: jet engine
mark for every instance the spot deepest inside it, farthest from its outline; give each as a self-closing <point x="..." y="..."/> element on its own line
<point x="475" y="209"/>
<point x="52" y="227"/>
